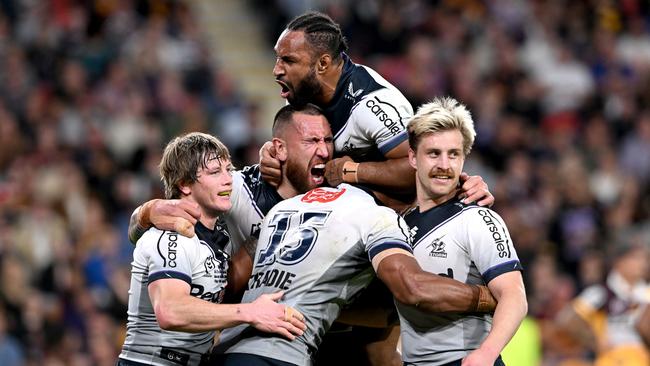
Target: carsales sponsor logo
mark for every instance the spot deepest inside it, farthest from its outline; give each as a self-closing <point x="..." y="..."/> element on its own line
<point x="386" y="115"/>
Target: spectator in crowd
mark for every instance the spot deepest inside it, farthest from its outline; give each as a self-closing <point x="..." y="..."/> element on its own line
<point x="605" y="317"/>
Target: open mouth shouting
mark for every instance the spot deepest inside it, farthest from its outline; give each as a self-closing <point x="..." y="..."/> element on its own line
<point x="317" y="174"/>
<point x="284" y="92"/>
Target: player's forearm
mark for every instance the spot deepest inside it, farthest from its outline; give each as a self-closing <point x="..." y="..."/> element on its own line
<point x="411" y="285"/>
<point x="439" y="294"/>
<point x="397" y="175"/>
<point x="189" y="314"/>
<point x="510" y="311"/>
<point x="136" y="229"/>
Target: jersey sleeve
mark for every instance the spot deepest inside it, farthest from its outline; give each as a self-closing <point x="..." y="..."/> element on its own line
<point x="489" y="244"/>
<point x="170" y="255"/>
<point x="244" y="217"/>
<point x="387" y="232"/>
<point x="382" y="117"/>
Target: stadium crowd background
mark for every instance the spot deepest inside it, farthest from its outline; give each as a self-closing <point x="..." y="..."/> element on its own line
<point x="90" y="91"/>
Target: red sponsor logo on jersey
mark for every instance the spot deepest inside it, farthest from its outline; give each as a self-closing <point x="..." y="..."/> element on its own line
<point x="321" y="195"/>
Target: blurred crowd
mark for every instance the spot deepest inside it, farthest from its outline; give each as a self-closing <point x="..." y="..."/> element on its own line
<point x="91" y="91"/>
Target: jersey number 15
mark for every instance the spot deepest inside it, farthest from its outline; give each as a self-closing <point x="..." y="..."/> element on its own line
<point x="293" y="237"/>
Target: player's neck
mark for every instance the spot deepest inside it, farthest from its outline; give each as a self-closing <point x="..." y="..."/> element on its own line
<point x="328" y="84"/>
<point x="208" y="217"/>
<point x="428" y="201"/>
<point x="208" y="222"/>
<point x="286" y="189"/>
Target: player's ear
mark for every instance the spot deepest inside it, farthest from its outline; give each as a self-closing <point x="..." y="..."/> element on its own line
<point x="412" y="159"/>
<point x="280" y="149"/>
<point x="324" y="63"/>
<point x="185" y="188"/>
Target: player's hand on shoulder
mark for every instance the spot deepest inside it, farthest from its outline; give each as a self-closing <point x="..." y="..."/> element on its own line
<point x="479" y="357"/>
<point x="270" y="165"/>
<point x="474" y="189"/>
<point x="269" y="316"/>
<point x="334" y="170"/>
<point x="176" y="215"/>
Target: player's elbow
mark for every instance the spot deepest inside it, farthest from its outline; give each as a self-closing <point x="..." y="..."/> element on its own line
<point x="524" y="306"/>
<point x="402" y="279"/>
<point x="523" y="301"/>
<point x="523" y="309"/>
<point x="168" y="318"/>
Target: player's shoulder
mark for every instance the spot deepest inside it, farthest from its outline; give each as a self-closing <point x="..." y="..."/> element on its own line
<point x="371" y="91"/>
<point x="250" y="175"/>
<point x="345" y="195"/>
<point x="387" y="89"/>
<point x="248" y="181"/>
<point x="444" y="212"/>
<point x="156" y="237"/>
<point x="474" y="212"/>
<point x="152" y="235"/>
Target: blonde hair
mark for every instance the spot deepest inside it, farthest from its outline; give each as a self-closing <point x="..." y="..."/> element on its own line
<point x="184" y="155"/>
<point x="442" y="114"/>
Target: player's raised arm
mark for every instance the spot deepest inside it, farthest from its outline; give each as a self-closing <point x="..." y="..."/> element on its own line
<point x="474" y="189"/>
<point x="394" y="174"/>
<point x="270" y="166"/>
<point x="175" y="215"/>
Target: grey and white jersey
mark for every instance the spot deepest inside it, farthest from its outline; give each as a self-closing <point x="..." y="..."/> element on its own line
<point x="202" y="262"/>
<point x="470" y="244"/>
<point x="317" y="248"/>
<point x="368" y="115"/>
<point x="251" y="199"/>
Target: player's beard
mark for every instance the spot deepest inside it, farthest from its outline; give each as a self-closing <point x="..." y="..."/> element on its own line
<point x="298" y="176"/>
<point x="306" y="90"/>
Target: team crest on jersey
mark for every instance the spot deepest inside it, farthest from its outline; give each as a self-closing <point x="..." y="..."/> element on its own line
<point x="321" y="195"/>
<point x="437" y="248"/>
<point x="352" y="94"/>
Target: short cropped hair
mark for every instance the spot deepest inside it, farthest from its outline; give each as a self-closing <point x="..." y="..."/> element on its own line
<point x="184" y="155"/>
<point x="285" y="115"/>
<point x="322" y="33"/>
<point x="442" y="114"/>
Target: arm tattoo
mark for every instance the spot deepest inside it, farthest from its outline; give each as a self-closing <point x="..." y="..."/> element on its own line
<point x="135" y="230"/>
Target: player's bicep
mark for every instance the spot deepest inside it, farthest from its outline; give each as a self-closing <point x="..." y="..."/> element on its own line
<point x="167" y="288"/>
<point x="399" y="151"/>
<point x="385" y="254"/>
<point x="508" y="283"/>
<point x="396" y="271"/>
<point x="171" y="256"/>
<point x="387" y="236"/>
